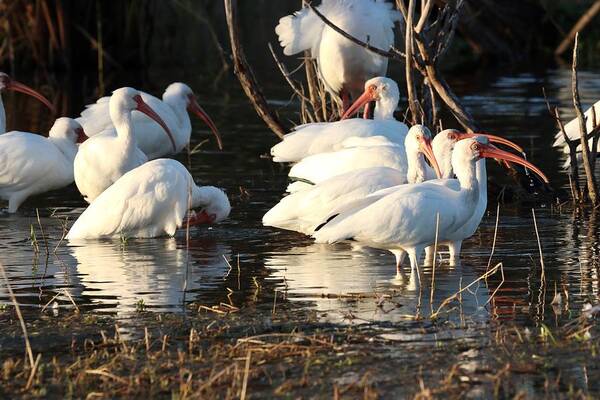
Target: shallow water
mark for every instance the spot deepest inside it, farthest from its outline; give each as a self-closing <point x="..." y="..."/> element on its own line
<point x="340" y="284"/>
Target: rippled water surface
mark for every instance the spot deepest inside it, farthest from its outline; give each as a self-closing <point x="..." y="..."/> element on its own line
<point x="339" y="283"/>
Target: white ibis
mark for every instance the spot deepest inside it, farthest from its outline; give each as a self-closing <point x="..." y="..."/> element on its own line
<point x="150" y="201"/>
<point x="356" y="153"/>
<point x="105" y="157"/>
<point x="343" y="65"/>
<point x="31" y="164"/>
<point x="404" y="219"/>
<point x="177" y="100"/>
<point x="443" y="145"/>
<point x="302" y="211"/>
<point x="7" y="83"/>
<point x="573" y="132"/>
<point x="315" y="138"/>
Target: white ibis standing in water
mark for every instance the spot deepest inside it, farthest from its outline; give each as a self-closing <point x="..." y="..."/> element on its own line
<point x="343" y="65"/>
<point x="303" y="210"/>
<point x="150" y="201"/>
<point x="177" y="100"/>
<point x="573" y="132"/>
<point x="105" y="157"/>
<point x="7" y="83"/>
<point x="315" y="138"/>
<point x="31" y="164"/>
<point x="403" y="219"/>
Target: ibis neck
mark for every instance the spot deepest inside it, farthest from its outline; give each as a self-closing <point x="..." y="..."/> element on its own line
<point x="179" y="107"/>
<point x="2" y="117"/>
<point x="66" y="146"/>
<point x="124" y="128"/>
<point x="481" y="176"/>
<point x="467" y="176"/>
<point x="384" y="108"/>
<point x="416" y="168"/>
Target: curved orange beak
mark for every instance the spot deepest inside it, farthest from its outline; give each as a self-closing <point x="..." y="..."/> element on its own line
<point x="489" y="151"/>
<point x="369" y="95"/>
<point x="427" y="150"/>
<point x="200" y="218"/>
<point x="145" y="108"/>
<point x="491" y="138"/>
<point x="19" y="87"/>
<point x="199" y="111"/>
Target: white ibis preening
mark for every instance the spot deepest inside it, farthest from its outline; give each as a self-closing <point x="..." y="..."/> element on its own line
<point x="31" y="164"/>
<point x="150" y="201"/>
<point x="105" y="157"/>
<point x="404" y="219"/>
<point x="7" y="83"/>
<point x="177" y="101"/>
<point x="343" y="65"/>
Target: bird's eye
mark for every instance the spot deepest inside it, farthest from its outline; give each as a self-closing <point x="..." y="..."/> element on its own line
<point x="475" y="147"/>
<point x="419" y="137"/>
<point x="373" y="88"/>
<point x="452" y="136"/>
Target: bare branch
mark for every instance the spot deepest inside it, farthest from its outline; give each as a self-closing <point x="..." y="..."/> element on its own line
<point x="585" y="151"/>
<point x="286" y="75"/>
<point x="246" y="76"/>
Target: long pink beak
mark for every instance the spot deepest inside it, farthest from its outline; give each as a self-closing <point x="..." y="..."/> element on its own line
<point x="199" y="111"/>
<point x="427" y="150"/>
<point x="145" y="108"/>
<point x="199" y="219"/>
<point x="19" y="87"/>
<point x="489" y="151"/>
<point x="369" y="95"/>
<point x="491" y="138"/>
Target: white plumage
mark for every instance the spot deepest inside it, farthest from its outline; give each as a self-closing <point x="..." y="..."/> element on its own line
<point x="149" y="201"/>
<point x="315" y="138"/>
<point x="403" y="219"/>
<point x="303" y="210"/>
<point x="343" y="65"/>
<point x="356" y="153"/>
<point x="105" y="157"/>
<point x="173" y="109"/>
<point x="573" y="132"/>
<point x="31" y="164"/>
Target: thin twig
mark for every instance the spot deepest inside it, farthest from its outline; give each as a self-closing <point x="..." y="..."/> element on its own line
<point x="393" y="54"/>
<point x="543" y="277"/>
<point x="11" y="294"/>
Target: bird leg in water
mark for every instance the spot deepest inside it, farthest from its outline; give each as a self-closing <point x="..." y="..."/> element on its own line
<point x="400" y="255"/>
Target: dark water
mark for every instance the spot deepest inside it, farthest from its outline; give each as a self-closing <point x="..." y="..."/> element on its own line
<point x="339" y="284"/>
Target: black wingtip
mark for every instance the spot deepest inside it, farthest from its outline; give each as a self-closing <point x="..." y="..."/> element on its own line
<point x="326" y="222"/>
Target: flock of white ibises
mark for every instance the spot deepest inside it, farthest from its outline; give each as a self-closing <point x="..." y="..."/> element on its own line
<point x="359" y="179"/>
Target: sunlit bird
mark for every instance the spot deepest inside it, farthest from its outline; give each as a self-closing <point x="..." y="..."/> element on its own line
<point x="7" y="83"/>
<point x="105" y="157"/>
<point x="32" y="164"/>
<point x="343" y="65"/>
<point x="304" y="210"/>
<point x="177" y="100"/>
<point x="150" y="201"/>
<point x="574" y="133"/>
<point x="403" y="219"/>
<point x="315" y="138"/>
